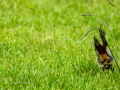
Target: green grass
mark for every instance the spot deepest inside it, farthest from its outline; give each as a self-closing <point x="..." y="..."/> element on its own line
<point x="40" y="47"/>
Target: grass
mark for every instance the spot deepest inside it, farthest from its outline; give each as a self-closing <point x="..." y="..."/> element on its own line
<point x="40" y="46"/>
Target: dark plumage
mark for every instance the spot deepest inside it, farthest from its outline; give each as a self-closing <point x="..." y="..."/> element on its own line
<point x="105" y="60"/>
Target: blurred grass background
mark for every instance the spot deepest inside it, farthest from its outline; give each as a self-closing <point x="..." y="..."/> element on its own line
<point x="40" y="46"/>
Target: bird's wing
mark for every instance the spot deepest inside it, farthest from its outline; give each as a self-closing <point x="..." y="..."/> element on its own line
<point x="102" y="35"/>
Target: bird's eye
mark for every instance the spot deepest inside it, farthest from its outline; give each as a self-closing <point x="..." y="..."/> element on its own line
<point x="102" y="62"/>
<point x="109" y="61"/>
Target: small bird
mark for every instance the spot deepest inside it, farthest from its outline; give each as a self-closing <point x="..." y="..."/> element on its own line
<point x="105" y="60"/>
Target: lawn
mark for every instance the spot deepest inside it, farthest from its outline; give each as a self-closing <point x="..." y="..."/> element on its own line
<point x="40" y="47"/>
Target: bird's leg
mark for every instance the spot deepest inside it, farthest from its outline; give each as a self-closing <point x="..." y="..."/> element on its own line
<point x="112" y="69"/>
<point x="102" y="70"/>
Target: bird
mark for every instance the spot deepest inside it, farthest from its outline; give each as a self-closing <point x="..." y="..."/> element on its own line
<point x="105" y="60"/>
